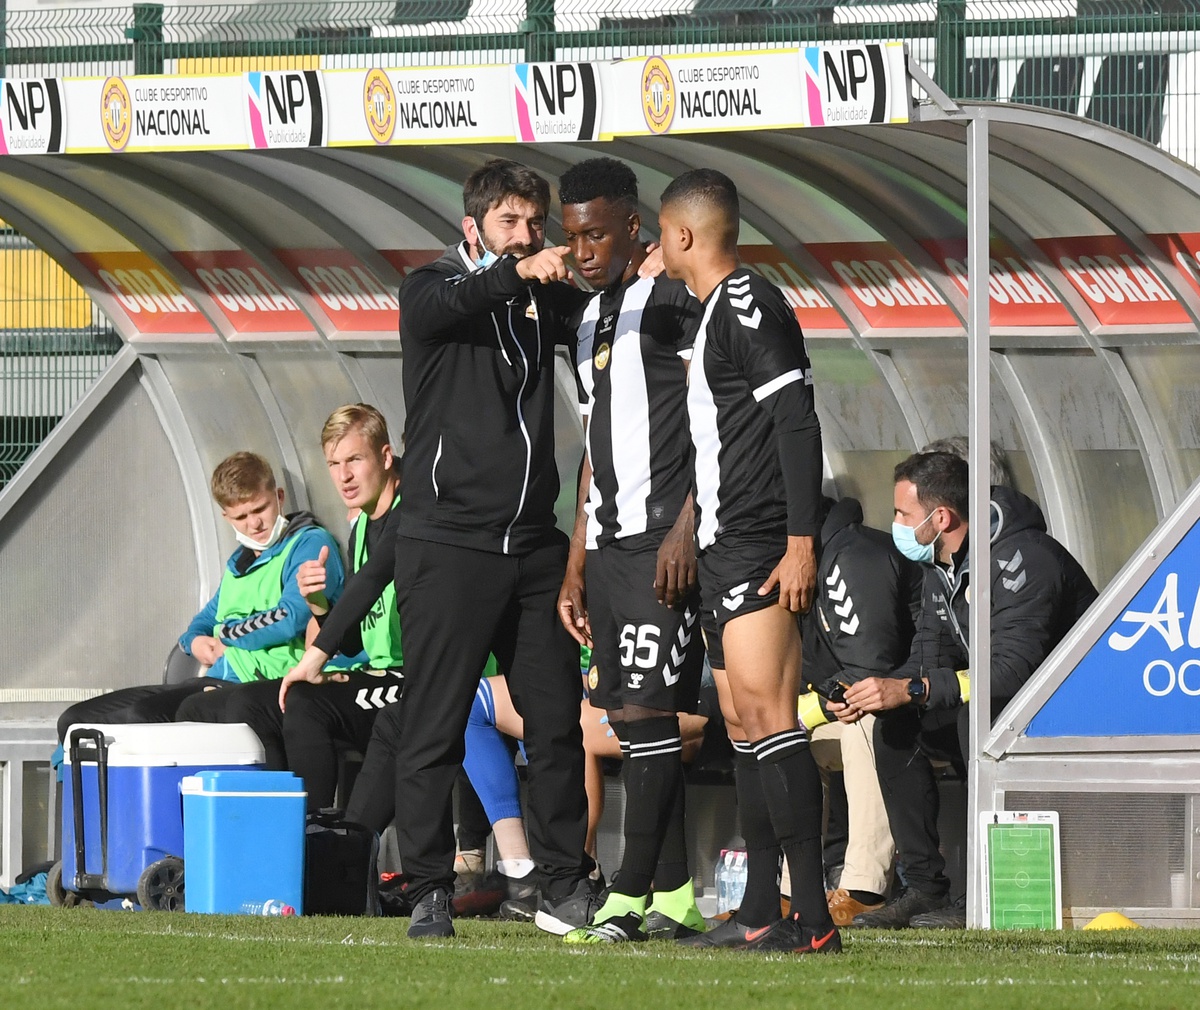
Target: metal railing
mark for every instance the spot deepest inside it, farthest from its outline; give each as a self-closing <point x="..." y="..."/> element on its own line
<point x="53" y="344"/>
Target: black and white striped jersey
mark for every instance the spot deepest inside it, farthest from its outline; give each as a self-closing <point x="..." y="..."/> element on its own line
<point x="757" y="440"/>
<point x="630" y="362"/>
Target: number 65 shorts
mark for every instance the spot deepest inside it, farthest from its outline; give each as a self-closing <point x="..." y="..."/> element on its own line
<point x="645" y="654"/>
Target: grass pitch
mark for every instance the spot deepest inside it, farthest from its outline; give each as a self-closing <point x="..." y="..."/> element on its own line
<point x="71" y="958"/>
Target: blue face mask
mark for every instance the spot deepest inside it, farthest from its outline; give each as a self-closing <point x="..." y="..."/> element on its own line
<point x="487" y="257"/>
<point x="905" y="539"/>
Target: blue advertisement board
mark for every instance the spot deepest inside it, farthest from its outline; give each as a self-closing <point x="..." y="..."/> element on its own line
<point x="1142" y="676"/>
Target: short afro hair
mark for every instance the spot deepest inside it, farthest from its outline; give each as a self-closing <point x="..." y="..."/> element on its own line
<point x="599" y="179"/>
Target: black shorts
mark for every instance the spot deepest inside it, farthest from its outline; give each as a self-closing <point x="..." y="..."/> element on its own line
<point x="712" y="640"/>
<point x="731" y="572"/>
<point x="645" y="654"/>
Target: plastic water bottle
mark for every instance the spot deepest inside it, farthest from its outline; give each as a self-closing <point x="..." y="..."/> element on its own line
<point x="737" y="885"/>
<point x="272" y="907"/>
<point x="730" y="877"/>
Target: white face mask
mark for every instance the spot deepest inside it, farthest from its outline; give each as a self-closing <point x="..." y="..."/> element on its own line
<point x="486" y="256"/>
<point x="271" y="541"/>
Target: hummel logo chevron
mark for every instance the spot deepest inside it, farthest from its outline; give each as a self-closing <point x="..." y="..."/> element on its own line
<point x="1013" y="565"/>
<point x="850" y="626"/>
<point x="1015" y="585"/>
<point x="753" y="319"/>
<point x="834" y="576"/>
<point x="380" y="697"/>
<point x="742" y="303"/>
<point x="843" y="609"/>
<point x="838" y="593"/>
<point x="736" y="597"/>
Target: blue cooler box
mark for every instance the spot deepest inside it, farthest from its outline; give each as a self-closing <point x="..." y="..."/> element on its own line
<point x="243" y="839"/>
<point x="138" y="768"/>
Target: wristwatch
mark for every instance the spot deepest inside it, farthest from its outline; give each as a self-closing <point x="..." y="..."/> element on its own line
<point x="916" y="691"/>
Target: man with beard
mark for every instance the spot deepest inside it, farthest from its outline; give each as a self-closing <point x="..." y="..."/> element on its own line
<point x="479" y="562"/>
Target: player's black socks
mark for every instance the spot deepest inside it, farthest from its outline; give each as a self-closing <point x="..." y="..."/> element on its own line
<point x="792" y="785"/>
<point x="672" y="871"/>
<point x="652" y="773"/>
<point x="760" y="902"/>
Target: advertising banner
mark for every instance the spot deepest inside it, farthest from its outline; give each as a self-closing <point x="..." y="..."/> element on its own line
<point x="250" y="300"/>
<point x="144" y="290"/>
<point x="835" y="85"/>
<point x="885" y="286"/>
<point x="1018" y="296"/>
<point x="1142" y="676"/>
<point x="1118" y="283"/>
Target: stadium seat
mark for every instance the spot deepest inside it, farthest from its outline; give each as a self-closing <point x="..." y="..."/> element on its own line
<point x="1129" y="94"/>
<point x="1051" y="82"/>
<point x="727" y="13"/>
<point x="980" y="78"/>
<point x="410" y="12"/>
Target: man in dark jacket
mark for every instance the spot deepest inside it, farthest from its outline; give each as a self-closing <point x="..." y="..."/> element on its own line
<point x="478" y="559"/>
<point x="1038" y="592"/>
<point x="861" y="625"/>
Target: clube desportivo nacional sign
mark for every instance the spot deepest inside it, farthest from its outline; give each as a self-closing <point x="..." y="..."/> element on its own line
<point x="819" y="85"/>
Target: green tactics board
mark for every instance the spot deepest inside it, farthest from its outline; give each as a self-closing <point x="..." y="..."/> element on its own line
<point x="1023" y="876"/>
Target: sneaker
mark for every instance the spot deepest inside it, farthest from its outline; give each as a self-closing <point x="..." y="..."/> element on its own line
<point x="572" y="911"/>
<point x="491" y="892"/>
<point x="895" y="914"/>
<point x="729" y="933"/>
<point x="790" y="936"/>
<point x="431" y="916"/>
<point x="661" y="926"/>
<point x="519" y="911"/>
<point x="843" y="906"/>
<point x="625" y="928"/>
<point x="953" y="916"/>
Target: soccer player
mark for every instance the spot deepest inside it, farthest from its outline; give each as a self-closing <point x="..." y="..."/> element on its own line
<point x="757" y="444"/>
<point x="631" y="573"/>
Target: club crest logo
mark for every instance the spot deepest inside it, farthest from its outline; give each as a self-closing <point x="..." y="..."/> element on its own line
<point x="603" y="352"/>
<point x="379" y="106"/>
<point x="593" y="678"/>
<point x="116" y="115"/>
<point x="658" y="95"/>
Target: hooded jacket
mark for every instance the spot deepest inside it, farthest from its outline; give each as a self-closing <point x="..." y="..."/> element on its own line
<point x="1038" y="591"/>
<point x="868" y="600"/>
<point x="478" y="346"/>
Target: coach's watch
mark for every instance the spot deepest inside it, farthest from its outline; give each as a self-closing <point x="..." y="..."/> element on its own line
<point x="916" y="691"/>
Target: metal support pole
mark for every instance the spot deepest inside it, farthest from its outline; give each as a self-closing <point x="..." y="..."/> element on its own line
<point x="979" y="429"/>
<point x="147" y="36"/>
<point x="3" y="37"/>
<point x="950" y="61"/>
<point x="538" y="28"/>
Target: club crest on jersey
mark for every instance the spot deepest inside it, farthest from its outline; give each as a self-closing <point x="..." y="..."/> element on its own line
<point x="593" y="678"/>
<point x="602" y="356"/>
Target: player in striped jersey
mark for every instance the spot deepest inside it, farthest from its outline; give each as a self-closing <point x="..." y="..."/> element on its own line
<point x="634" y="542"/>
<point x="757" y="446"/>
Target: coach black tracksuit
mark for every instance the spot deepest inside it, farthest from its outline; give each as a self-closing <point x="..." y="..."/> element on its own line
<point x="479" y="562"/>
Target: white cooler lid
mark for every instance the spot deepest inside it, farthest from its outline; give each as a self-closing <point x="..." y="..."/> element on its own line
<point x="167" y="744"/>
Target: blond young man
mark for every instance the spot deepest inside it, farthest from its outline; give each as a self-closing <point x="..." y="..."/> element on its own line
<point x="253" y="627"/>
